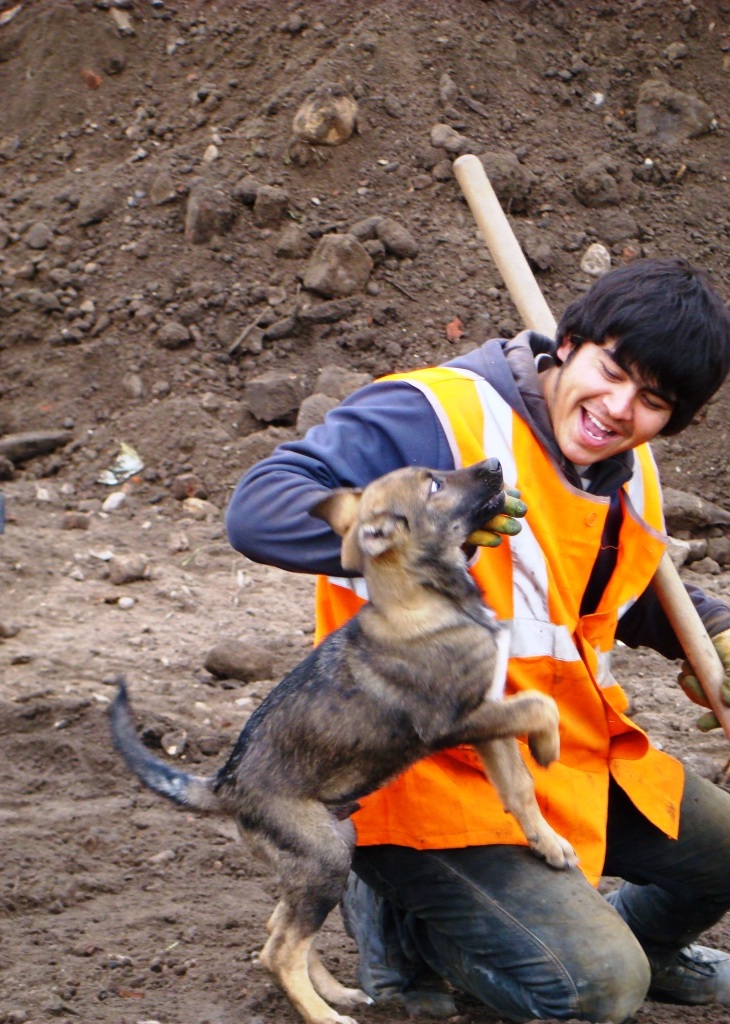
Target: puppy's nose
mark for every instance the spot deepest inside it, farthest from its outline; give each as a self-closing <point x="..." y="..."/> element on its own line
<point x="490" y="468"/>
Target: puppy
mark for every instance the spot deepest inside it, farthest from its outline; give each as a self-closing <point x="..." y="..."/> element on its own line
<point x="419" y="668"/>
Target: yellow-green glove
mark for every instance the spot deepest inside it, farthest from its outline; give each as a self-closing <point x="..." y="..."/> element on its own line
<point x="506" y="523"/>
<point x="692" y="687"/>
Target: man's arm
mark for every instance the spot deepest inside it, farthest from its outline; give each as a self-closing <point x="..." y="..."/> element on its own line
<point x="645" y="624"/>
<point x="380" y="428"/>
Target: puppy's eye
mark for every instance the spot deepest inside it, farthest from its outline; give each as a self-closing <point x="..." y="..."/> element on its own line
<point x="436" y="485"/>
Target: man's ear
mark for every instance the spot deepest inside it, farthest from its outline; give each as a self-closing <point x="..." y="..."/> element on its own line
<point x="339" y="508"/>
<point x="565" y="349"/>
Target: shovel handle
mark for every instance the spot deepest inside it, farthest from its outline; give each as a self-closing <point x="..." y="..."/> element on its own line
<point x="525" y="293"/>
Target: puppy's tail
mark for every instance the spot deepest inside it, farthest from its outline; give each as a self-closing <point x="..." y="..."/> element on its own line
<point x="191" y="791"/>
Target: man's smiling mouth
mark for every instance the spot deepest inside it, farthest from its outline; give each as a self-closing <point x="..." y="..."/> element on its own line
<point x="595" y="429"/>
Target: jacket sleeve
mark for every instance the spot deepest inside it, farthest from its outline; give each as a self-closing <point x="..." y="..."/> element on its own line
<point x="645" y="624"/>
<point x="380" y="428"/>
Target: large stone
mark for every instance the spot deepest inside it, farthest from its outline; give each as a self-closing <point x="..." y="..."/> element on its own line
<point x="669" y="115"/>
<point x="234" y="659"/>
<point x="339" y="382"/>
<point x="270" y="206"/>
<point x="684" y="511"/>
<point x="396" y="239"/>
<point x="209" y="213"/>
<point x="510" y="180"/>
<point x="274" y="396"/>
<point x="596" y="183"/>
<point x="313" y="410"/>
<point x="338" y="267"/>
<point x="174" y="335"/>
<point x="95" y="206"/>
<point x="327" y="117"/>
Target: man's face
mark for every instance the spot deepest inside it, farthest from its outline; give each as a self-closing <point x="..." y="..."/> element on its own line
<point x="598" y="408"/>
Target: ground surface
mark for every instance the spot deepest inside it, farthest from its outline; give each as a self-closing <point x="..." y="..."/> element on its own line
<point x="114" y="906"/>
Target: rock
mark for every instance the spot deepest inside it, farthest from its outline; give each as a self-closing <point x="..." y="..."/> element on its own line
<point x="706" y="567"/>
<point x="96" y="205"/>
<point x="115" y="501"/>
<point x="616" y="226"/>
<point x="669" y="115"/>
<point x="327" y="117"/>
<point x="246" y="189"/>
<point x="200" y="509"/>
<point x="128" y="568"/>
<point x="270" y="206"/>
<point x="338" y="267"/>
<point x="596" y="260"/>
<point x="162" y="189"/>
<point x="22" y="447"/>
<point x="510" y="180"/>
<point x="234" y="659"/>
<point x="678" y="551"/>
<point x="188" y="485"/>
<point x="313" y="410"/>
<point x="173" y="335"/>
<point x="718" y="548"/>
<point x="596" y="183"/>
<point x="282" y="329"/>
<point x="448" y="89"/>
<point x="396" y="239"/>
<point x="443" y="136"/>
<point x="684" y="511"/>
<point x="75" y="521"/>
<point x="209" y="213"/>
<point x="293" y="243"/>
<point x="260" y="444"/>
<point x="338" y="382"/>
<point x="275" y="396"/>
<point x="537" y="248"/>
<point x="38" y="236"/>
<point x="328" y="312"/>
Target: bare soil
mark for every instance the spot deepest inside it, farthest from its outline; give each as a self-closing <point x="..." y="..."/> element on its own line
<point x="115" y="907"/>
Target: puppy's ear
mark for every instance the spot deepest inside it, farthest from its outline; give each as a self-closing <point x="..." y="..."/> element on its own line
<point x="339" y="508"/>
<point x="370" y="539"/>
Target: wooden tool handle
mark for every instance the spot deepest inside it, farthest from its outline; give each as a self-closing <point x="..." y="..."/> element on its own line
<point x="525" y="292"/>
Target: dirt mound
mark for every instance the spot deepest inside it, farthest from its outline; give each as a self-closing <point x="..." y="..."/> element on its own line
<point x="183" y="273"/>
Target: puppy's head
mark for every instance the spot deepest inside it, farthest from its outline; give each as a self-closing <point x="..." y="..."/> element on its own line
<point x="414" y="514"/>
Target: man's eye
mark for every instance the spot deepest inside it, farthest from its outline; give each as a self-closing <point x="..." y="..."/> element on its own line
<point x="436" y="485"/>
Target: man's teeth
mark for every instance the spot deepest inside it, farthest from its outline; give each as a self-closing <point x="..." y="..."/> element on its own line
<point x="602" y="432"/>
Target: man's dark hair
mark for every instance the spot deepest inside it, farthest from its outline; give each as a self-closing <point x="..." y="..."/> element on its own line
<point x="669" y="325"/>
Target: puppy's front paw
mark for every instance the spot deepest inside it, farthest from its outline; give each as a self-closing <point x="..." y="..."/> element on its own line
<point x="544" y="746"/>
<point x="557" y="851"/>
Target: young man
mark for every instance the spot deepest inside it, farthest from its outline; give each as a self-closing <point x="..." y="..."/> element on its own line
<point x="446" y="888"/>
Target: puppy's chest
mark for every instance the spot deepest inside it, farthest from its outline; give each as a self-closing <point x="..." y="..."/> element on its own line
<point x="440" y="679"/>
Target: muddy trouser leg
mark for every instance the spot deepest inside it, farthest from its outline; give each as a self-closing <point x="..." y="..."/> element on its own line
<point x="674" y="889"/>
<point x="524" y="939"/>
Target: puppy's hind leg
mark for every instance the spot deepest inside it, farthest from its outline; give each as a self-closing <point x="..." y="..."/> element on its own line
<point x="509" y="775"/>
<point x="287" y="954"/>
<point x="330" y="988"/>
<point x="313" y="857"/>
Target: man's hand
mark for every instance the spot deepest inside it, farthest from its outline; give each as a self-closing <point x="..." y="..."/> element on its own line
<point x="506" y="523"/>
<point x="692" y="687"/>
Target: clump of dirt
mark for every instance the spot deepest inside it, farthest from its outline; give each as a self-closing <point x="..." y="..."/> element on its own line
<point x="183" y="273"/>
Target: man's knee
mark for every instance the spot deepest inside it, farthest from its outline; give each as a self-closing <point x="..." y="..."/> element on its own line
<point x="613" y="981"/>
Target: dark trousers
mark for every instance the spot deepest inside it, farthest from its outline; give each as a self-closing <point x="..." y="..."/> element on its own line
<point x="532" y="942"/>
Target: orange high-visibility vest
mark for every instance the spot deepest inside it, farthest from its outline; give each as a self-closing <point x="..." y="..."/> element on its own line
<point x="535" y="582"/>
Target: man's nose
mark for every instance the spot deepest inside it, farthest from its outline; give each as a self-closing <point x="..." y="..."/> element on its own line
<point x="619" y="401"/>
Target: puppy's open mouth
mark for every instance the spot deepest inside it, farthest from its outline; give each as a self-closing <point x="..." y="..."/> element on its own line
<point x="491" y="507"/>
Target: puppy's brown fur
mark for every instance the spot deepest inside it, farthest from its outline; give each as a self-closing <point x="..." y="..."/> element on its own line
<point x="420" y="668"/>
